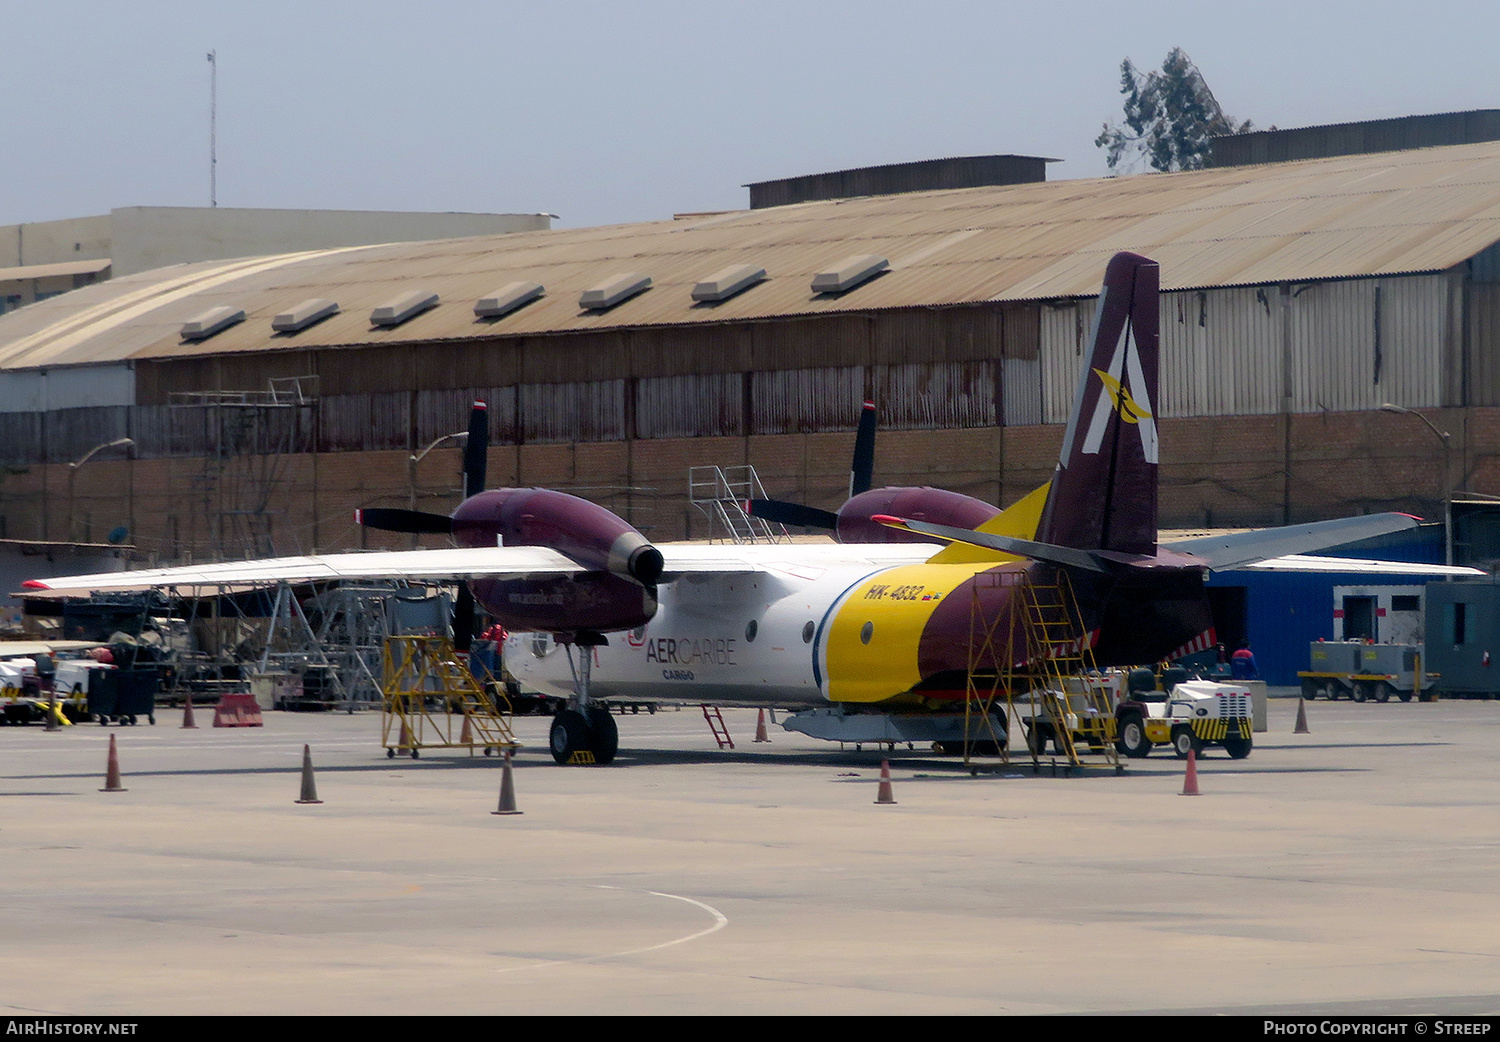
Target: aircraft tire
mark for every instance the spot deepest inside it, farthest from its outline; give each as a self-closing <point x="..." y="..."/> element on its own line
<point x="604" y="734"/>
<point x="570" y="733"/>
<point x="1133" y="741"/>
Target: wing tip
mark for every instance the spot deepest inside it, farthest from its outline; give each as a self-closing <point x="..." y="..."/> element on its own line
<point x="35" y="584"/>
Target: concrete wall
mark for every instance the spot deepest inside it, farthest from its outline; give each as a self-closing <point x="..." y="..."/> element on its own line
<point x="54" y="242"/>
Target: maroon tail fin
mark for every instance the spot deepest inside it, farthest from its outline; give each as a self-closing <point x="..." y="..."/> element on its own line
<point x="1103" y="494"/>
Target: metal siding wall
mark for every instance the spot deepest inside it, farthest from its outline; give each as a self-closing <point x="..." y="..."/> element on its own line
<point x="72" y="432"/>
<point x="672" y="352"/>
<point x="438" y="413"/>
<point x="1414" y="335"/>
<point x="1334" y="343"/>
<point x="1021" y="386"/>
<point x="800" y="343"/>
<point x="151" y="427"/>
<point x="390" y="421"/>
<point x="343" y="422"/>
<point x="593" y="411"/>
<point x="802" y="401"/>
<point x="1483" y="347"/>
<point x="21" y="437"/>
<point x="1220" y="352"/>
<point x="1064" y="337"/>
<point x="706" y="405"/>
<point x="936" y="395"/>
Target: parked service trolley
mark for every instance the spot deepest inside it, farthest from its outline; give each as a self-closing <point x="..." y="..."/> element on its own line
<point x="1363" y="672"/>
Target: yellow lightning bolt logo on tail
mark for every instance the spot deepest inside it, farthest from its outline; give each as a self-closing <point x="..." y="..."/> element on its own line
<point x="1125" y="405"/>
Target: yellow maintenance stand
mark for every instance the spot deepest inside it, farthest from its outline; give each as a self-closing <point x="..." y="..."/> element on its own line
<point x="1047" y="674"/>
<point x="432" y="701"/>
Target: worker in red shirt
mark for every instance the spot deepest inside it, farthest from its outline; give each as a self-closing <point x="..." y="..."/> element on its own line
<point x="1242" y="664"/>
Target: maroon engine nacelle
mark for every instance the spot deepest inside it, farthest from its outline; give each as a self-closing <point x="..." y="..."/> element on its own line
<point x="619" y="591"/>
<point x="934" y="505"/>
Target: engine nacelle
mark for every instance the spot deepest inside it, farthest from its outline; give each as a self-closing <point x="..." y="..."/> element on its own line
<point x="617" y="593"/>
<point x="934" y="505"/>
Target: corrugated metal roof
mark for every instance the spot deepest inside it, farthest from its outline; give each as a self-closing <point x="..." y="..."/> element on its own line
<point x="1350" y="216"/>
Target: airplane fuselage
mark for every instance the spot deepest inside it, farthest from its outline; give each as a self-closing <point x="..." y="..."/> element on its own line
<point x="802" y="636"/>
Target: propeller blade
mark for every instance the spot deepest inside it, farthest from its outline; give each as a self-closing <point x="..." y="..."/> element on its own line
<point x="476" y="450"/>
<point x="394" y="519"/>
<point x="463" y="619"/>
<point x="862" y="472"/>
<point x="785" y="513"/>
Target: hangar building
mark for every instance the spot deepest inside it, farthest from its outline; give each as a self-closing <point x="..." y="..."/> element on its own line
<point x="1298" y="298"/>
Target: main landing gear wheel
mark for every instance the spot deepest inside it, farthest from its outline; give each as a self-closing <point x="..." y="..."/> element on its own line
<point x="570" y="733"/>
<point x="604" y="735"/>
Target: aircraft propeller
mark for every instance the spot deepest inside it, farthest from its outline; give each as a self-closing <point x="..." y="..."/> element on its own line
<point x="861" y="472"/>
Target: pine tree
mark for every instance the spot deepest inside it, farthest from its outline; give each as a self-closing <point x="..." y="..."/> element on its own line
<point x="1170" y="117"/>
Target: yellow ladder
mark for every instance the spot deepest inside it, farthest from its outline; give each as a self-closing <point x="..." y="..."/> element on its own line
<point x="1041" y="659"/>
<point x="433" y="701"/>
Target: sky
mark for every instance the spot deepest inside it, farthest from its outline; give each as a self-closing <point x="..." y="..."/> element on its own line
<point x="605" y="113"/>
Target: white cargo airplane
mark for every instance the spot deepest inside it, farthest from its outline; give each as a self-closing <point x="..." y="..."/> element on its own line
<point x="867" y="639"/>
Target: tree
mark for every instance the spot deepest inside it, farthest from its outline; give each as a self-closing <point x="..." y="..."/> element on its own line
<point x="1170" y="117"/>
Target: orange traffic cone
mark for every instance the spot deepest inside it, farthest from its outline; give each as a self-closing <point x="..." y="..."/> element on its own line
<point x="507" y="790"/>
<point x="466" y="737"/>
<point x="1190" y="779"/>
<point x="309" y="787"/>
<point x="760" y="727"/>
<point x="187" y="715"/>
<point x="1301" y="727"/>
<point x="883" y="793"/>
<point x="112" y="770"/>
<point x="405" y="741"/>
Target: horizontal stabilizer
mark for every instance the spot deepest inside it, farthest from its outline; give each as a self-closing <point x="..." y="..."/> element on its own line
<point x="1066" y="556"/>
<point x="393" y="519"/>
<point x="1353" y="566"/>
<point x="1243" y="548"/>
<point x="784" y="513"/>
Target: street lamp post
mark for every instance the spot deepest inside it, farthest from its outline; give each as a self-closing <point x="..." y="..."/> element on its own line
<point x="411" y="472"/>
<point x="118" y="443"/>
<point x="1447" y="440"/>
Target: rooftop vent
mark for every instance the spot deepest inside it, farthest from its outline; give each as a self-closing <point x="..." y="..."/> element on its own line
<point x="722" y="285"/>
<point x="408" y="305"/>
<point x="507" y="298"/>
<point x="212" y="321"/>
<point x="307" y="313"/>
<point x="613" y="290"/>
<point x="849" y="272"/>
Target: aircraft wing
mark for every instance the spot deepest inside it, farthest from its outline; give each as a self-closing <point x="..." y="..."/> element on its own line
<point x="1245" y="548"/>
<point x="1304" y="563"/>
<point x="467" y="563"/>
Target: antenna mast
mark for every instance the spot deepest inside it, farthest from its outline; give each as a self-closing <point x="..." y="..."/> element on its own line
<point x="213" y="128"/>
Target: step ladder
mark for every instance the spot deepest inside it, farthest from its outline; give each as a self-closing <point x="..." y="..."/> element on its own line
<point x="716" y="725"/>
<point x="1040" y="659"/>
<point x="720" y="493"/>
<point x="431" y="700"/>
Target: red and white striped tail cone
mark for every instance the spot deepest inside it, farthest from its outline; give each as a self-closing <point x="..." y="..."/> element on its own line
<point x="1301" y="727"/>
<point x="112" y="770"/>
<point x="1190" y="779"/>
<point x="883" y="794"/>
<point x="760" y="727"/>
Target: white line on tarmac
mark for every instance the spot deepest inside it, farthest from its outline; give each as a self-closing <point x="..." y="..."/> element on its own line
<point x="720" y="921"/>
